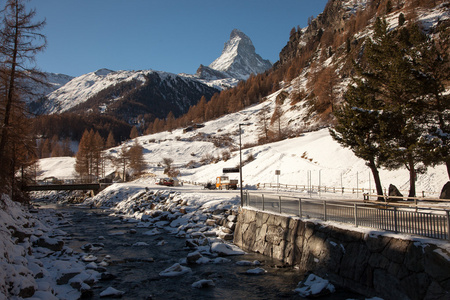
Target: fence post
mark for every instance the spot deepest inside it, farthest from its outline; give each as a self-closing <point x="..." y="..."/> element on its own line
<point x="448" y="225"/>
<point x="356" y="214"/>
<point x="263" y="201"/>
<point x="395" y="219"/>
<point x="324" y="210"/>
<point x="300" y="212"/>
<point x="280" y="203"/>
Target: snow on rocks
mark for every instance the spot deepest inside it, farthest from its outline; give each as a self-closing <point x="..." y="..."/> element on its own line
<point x="175" y="270"/>
<point x="111" y="292"/>
<point x="314" y="286"/>
<point x="256" y="271"/>
<point x="248" y="263"/>
<point x="223" y="249"/>
<point x="34" y="262"/>
<point x="204" y="283"/>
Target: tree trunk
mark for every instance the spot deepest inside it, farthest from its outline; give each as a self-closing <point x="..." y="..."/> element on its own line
<point x="10" y="95"/>
<point x="447" y="163"/>
<point x="376" y="177"/>
<point x="412" y="177"/>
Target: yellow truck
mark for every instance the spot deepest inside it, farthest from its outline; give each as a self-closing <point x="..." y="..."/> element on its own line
<point x="225" y="183"/>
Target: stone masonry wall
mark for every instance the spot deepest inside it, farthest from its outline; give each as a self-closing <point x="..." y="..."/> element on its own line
<point x="370" y="264"/>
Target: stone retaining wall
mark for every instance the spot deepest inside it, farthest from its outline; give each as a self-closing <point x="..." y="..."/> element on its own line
<point x="368" y="263"/>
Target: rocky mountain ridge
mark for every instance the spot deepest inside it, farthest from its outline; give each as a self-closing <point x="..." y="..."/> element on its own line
<point x="237" y="62"/>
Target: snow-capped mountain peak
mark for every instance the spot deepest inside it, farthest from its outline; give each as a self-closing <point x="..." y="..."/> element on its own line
<point x="239" y="59"/>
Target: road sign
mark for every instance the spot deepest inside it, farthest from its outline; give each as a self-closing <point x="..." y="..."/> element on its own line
<point x="231" y="170"/>
<point x="277" y="172"/>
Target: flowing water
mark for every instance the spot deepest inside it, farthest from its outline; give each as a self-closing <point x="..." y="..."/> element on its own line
<point x="136" y="268"/>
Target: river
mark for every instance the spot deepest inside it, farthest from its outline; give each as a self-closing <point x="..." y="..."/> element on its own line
<point x="135" y="269"/>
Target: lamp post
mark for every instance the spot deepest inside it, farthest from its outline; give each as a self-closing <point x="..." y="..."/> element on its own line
<point x="240" y="161"/>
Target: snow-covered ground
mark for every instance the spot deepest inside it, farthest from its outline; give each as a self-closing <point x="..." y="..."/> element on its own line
<point x="313" y="157"/>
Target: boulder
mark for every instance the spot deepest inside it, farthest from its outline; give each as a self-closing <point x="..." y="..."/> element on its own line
<point x="445" y="193"/>
<point x="394" y="192"/>
<point x="50" y="243"/>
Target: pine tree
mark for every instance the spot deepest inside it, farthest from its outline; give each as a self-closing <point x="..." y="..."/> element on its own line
<point x="134" y="133"/>
<point x="361" y="126"/>
<point x="83" y="162"/>
<point x="97" y="148"/>
<point x="110" y="142"/>
<point x="137" y="162"/>
<point x="45" y="148"/>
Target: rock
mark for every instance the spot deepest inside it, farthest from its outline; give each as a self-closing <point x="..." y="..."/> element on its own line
<point x="111" y="292"/>
<point x="133" y="231"/>
<point x="64" y="279"/>
<point x="107" y="276"/>
<point x="232" y="218"/>
<point x="394" y="192"/>
<point x="226" y="236"/>
<point x="231" y="225"/>
<point x="175" y="270"/>
<point x="89" y="258"/>
<point x="445" y="193"/>
<point x="248" y="263"/>
<point x="256" y="271"/>
<point x="49" y="243"/>
<point x="193" y="257"/>
<point x="204" y="283"/>
<point x="314" y="286"/>
<point x="27" y="292"/>
<point x="210" y="222"/>
<point x="223" y="249"/>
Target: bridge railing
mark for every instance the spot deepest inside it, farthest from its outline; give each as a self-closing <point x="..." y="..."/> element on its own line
<point x="431" y="223"/>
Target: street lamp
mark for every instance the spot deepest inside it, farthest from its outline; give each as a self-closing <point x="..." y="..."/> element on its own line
<point x="240" y="161"/>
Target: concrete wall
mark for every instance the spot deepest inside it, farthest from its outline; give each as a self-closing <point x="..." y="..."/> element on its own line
<point x="370" y="264"/>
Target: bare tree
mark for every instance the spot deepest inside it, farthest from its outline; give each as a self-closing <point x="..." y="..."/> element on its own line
<point x="20" y="42"/>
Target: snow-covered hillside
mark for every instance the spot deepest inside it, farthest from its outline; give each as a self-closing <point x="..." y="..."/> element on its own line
<point x="313" y="155"/>
<point x="82" y="87"/>
<point x="54" y="81"/>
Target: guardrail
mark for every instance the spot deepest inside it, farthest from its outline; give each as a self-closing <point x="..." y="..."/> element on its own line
<point x="330" y="189"/>
<point x="424" y="222"/>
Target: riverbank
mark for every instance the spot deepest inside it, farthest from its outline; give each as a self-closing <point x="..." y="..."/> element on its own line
<point x="370" y="262"/>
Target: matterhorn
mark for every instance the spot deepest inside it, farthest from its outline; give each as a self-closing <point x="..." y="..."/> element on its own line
<point x="238" y="60"/>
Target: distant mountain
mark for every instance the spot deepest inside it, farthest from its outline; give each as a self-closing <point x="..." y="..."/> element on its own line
<point x="127" y="94"/>
<point x="238" y="60"/>
<point x="54" y="81"/>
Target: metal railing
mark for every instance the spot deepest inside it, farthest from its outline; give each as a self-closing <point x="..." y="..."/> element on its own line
<point x="424" y="222"/>
<point x="333" y="189"/>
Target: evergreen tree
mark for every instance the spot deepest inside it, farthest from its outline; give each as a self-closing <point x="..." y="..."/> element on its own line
<point x="134" y="133"/>
<point x="110" y="142"/>
<point x="388" y="111"/>
<point x="136" y="155"/>
<point x="362" y="126"/>
<point x="83" y="162"/>
<point x="97" y="148"/>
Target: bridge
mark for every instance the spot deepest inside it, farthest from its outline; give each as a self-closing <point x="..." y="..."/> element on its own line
<point x="96" y="187"/>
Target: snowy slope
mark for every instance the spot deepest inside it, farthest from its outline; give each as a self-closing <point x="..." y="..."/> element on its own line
<point x="81" y="88"/>
<point x="54" y="81"/>
<point x="314" y="153"/>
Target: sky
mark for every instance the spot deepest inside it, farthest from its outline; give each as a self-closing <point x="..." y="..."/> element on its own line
<point x="166" y="35"/>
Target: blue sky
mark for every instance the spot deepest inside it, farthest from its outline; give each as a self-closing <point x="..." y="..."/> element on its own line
<point x="166" y="35"/>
